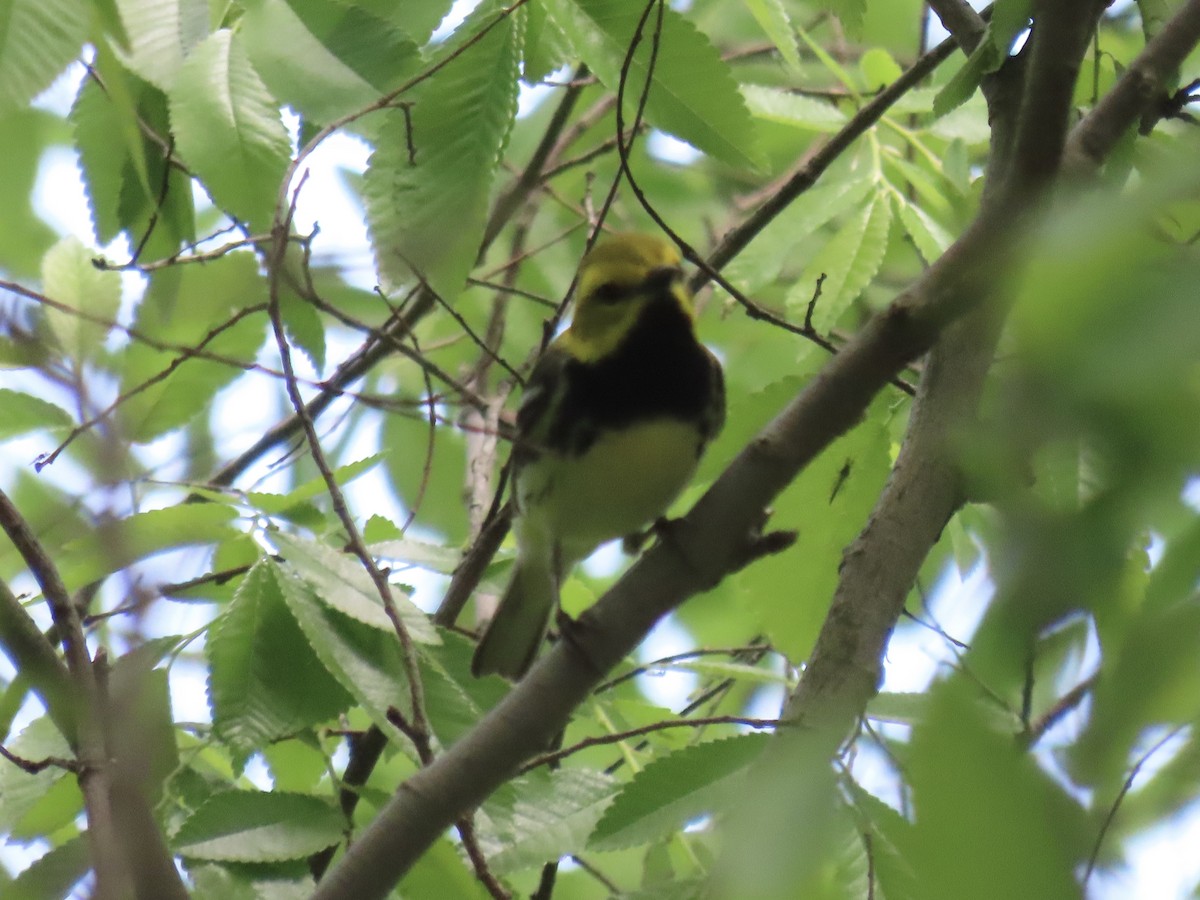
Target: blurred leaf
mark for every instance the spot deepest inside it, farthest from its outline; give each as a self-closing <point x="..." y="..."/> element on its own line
<point x="24" y="237"/>
<point x="38" y="39"/>
<point x="21" y="413"/>
<point x="187" y="307"/>
<point x="777" y="105"/>
<point x="70" y="279"/>
<point x="1020" y="834"/>
<point x="773" y="19"/>
<point x="54" y="874"/>
<point x="118" y="543"/>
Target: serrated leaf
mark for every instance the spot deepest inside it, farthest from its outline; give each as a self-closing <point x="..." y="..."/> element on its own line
<point x="253" y="641"/>
<point x="325" y="59"/>
<point x="21" y="413"/>
<point x="54" y="874"/>
<point x="849" y="261"/>
<point x="254" y="826"/>
<point x="70" y="279"/>
<point x="544" y="816"/>
<point x="787" y="108"/>
<point x="674" y="789"/>
<point x="762" y="261"/>
<point x="1009" y="19"/>
<point x="160" y="34"/>
<point x="773" y="19"/>
<point x="113" y="545"/>
<point x="38" y="39"/>
<point x="123" y="168"/>
<point x="930" y="238"/>
<point x="228" y="129"/>
<point x="426" y="211"/>
<point x="693" y="94"/>
<point x="340" y="581"/>
<point x="546" y="47"/>
<point x="184" y="307"/>
<point x="280" y="881"/>
<point x="365" y="660"/>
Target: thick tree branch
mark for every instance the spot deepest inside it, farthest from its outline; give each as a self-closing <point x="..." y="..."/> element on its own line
<point x="95" y="776"/>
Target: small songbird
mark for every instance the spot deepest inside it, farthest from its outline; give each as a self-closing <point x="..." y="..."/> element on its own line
<point x="614" y="419"/>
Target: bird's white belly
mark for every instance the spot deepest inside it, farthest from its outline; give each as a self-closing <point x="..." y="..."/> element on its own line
<point x="626" y="479"/>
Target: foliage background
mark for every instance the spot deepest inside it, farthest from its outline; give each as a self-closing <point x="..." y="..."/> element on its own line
<point x="138" y="358"/>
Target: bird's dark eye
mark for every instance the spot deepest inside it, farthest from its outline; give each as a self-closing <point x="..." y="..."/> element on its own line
<point x="610" y="292"/>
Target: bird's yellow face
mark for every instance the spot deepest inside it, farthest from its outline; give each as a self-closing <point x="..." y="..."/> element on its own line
<point x="617" y="279"/>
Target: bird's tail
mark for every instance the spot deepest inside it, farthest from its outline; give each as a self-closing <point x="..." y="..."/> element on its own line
<point x="512" y="638"/>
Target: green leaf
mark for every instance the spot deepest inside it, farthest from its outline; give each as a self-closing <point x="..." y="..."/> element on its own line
<point x="22" y="413"/>
<point x="115" y="544"/>
<point x="24" y="237"/>
<point x="788" y="108"/>
<point x="324" y="58"/>
<point x="130" y="187"/>
<point x="930" y="238"/>
<point x="253" y="642"/>
<point x="434" y="557"/>
<point x="544" y="816"/>
<point x="228" y="129"/>
<point x="252" y="826"/>
<point x="1019" y="835"/>
<point x="91" y="296"/>
<point x="314" y="487"/>
<point x="38" y="39"/>
<point x="693" y="94"/>
<point x="545" y="45"/>
<point x="54" y="874"/>
<point x="962" y="84"/>
<point x="849" y="12"/>
<point x="365" y="660"/>
<point x="675" y="789"/>
<point x="250" y="881"/>
<point x="849" y="261"/>
<point x="773" y="19"/>
<point x="161" y="33"/>
<point x="22" y="791"/>
<point x="426" y="188"/>
<point x="342" y="583"/>
<point x="186" y="307"/>
<point x="828" y="505"/>
<point x="879" y="69"/>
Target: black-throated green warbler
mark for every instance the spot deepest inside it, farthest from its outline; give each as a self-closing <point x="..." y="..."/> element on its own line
<point x="615" y="416"/>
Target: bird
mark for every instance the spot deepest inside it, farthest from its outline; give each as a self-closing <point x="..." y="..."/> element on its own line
<point x="614" y="418"/>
